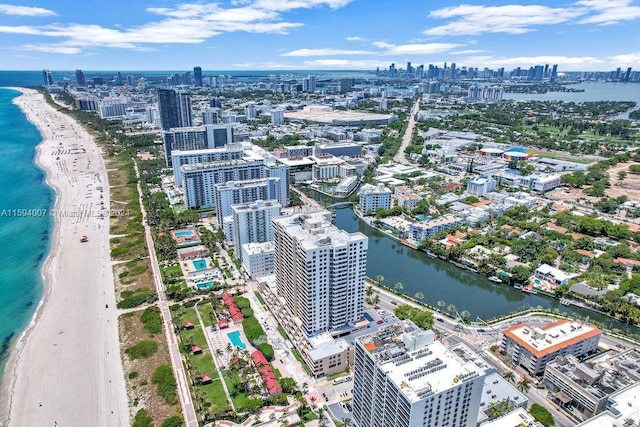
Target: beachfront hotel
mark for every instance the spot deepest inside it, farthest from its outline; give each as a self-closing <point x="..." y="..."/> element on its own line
<point x="320" y="270"/>
<point x="186" y="138"/>
<point x="403" y="377"/>
<point x="252" y="223"/>
<point x="533" y="347"/>
<point x="207" y="155"/>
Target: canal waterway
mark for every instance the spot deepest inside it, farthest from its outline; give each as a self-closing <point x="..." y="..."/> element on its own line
<point x="441" y="281"/>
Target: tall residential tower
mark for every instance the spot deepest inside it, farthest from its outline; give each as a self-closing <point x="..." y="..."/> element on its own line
<point x="320" y="270"/>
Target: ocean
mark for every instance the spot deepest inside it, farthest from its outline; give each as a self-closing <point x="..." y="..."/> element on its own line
<point x="24" y="239"/>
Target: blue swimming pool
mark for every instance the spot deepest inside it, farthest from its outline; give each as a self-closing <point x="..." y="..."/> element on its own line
<point x="236" y="341"/>
<point x="205" y="285"/>
<point x="199" y="264"/>
<point x="184" y="233"/>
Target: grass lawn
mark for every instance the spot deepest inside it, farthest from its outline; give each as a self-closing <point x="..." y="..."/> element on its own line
<point x="195" y="335"/>
<point x="205" y="312"/>
<point x="203" y="364"/>
<point x="171" y="270"/>
<point x="240" y="399"/>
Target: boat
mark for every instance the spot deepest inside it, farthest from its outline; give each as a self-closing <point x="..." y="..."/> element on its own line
<point x="84" y="239"/>
<point x="518" y="286"/>
<point x="495" y="279"/>
<point x="528" y="289"/>
<point x="430" y="254"/>
<point x="457" y="264"/>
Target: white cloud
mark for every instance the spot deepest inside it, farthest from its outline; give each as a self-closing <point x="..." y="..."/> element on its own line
<point x="416" y="48"/>
<point x="9" y="9"/>
<point x="627" y="59"/>
<point x="467" y="51"/>
<point x="511" y="19"/>
<point x="184" y="23"/>
<point x="326" y="52"/>
<point x="577" y="62"/>
<point x="52" y="48"/>
<point x="355" y="39"/>
<point x="608" y="12"/>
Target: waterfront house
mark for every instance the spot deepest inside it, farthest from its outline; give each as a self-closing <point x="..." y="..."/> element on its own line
<point x="552" y="275"/>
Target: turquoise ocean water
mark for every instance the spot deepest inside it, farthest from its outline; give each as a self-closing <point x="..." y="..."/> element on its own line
<point x="24" y="239"/>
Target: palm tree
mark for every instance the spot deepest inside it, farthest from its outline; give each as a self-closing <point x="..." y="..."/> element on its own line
<point x="346" y="422"/>
<point x="441" y="304"/>
<point x="369" y="291"/>
<point x="376" y="299"/>
<point x="451" y="308"/>
<point x="509" y="376"/>
<point x="464" y="314"/>
<point x="398" y="286"/>
<point x="524" y="385"/>
<point x="380" y="278"/>
<point x="313" y="400"/>
<point x="419" y="296"/>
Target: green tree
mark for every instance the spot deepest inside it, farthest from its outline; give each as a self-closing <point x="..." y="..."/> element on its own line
<point x="452" y="309"/>
<point x="465" y="315"/>
<point x="622" y="175"/>
<point x="509" y="376"/>
<point x="398" y="286"/>
<point x="524" y="385"/>
<point x="419" y="296"/>
<point x="441" y="304"/>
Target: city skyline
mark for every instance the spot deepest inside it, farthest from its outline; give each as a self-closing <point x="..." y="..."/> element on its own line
<point x="588" y="35"/>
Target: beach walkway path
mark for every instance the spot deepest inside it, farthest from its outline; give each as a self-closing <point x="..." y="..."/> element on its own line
<point x="188" y="410"/>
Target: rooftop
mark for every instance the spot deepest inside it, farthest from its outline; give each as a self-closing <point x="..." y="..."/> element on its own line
<point x="416" y="363"/>
<point x="623" y="410"/>
<point x="552" y="337"/>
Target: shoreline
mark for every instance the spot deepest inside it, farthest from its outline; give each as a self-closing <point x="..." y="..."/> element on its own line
<point x="52" y="377"/>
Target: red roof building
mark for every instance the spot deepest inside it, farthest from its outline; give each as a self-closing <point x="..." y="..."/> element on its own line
<point x="188" y="325"/>
<point x="268" y="377"/>
<point x="196" y="350"/>
<point x="223" y="324"/>
<point x="205" y="379"/>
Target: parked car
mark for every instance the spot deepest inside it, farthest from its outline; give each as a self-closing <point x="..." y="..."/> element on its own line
<point x="380" y="322"/>
<point x="439" y="319"/>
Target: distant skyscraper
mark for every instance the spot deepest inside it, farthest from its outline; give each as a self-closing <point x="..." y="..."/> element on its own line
<point x="80" y="78"/>
<point x="47" y="78"/>
<point x="409" y="69"/>
<point x="118" y="78"/>
<point x="453" y="71"/>
<point x="554" y="72"/>
<point x="309" y="84"/>
<point x="197" y="76"/>
<point x="174" y="108"/>
<point x="252" y="223"/>
<point x="210" y="116"/>
<point x="346" y="84"/>
<point x="277" y="117"/>
<point x="320" y="270"/>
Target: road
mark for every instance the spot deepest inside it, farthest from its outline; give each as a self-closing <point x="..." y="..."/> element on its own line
<point x="400" y="156"/>
<point x="188" y="410"/>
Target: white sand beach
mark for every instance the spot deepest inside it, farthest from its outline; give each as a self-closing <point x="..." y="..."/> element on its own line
<point x="67" y="370"/>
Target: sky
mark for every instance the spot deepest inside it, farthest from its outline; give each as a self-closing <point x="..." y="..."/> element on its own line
<point x="582" y="35"/>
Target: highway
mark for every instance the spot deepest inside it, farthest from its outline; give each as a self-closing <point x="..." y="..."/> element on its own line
<point x="400" y="156"/>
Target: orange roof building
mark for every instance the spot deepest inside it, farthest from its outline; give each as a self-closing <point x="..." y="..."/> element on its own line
<point x="532" y="347"/>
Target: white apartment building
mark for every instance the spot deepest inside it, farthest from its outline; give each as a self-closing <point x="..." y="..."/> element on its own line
<point x="374" y="197"/>
<point x="623" y="409"/>
<point x="481" y="186"/>
<point x="422" y="230"/>
<point x="533" y="347"/>
<point x="196" y="138"/>
<point x="320" y="270"/>
<point x="258" y="259"/>
<point x="252" y="222"/>
<point x="277" y="117"/>
<point x="193" y="157"/>
<point x="243" y="192"/>
<point x="403" y="377"/>
<point x="199" y="180"/>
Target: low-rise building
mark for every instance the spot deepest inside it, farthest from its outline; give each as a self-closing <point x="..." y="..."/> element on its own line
<point x="552" y="275"/>
<point x="258" y="259"/>
<point x="623" y="409"/>
<point x="533" y="347"/>
<point x="585" y="386"/>
<point x="422" y="230"/>
<point x="373" y="198"/>
<point x="481" y="186"/>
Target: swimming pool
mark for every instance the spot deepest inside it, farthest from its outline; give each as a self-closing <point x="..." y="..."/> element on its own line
<point x="235" y="339"/>
<point x="183" y="233"/>
<point x="205" y="285"/>
<point x="199" y="264"/>
<point x="537" y="282"/>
